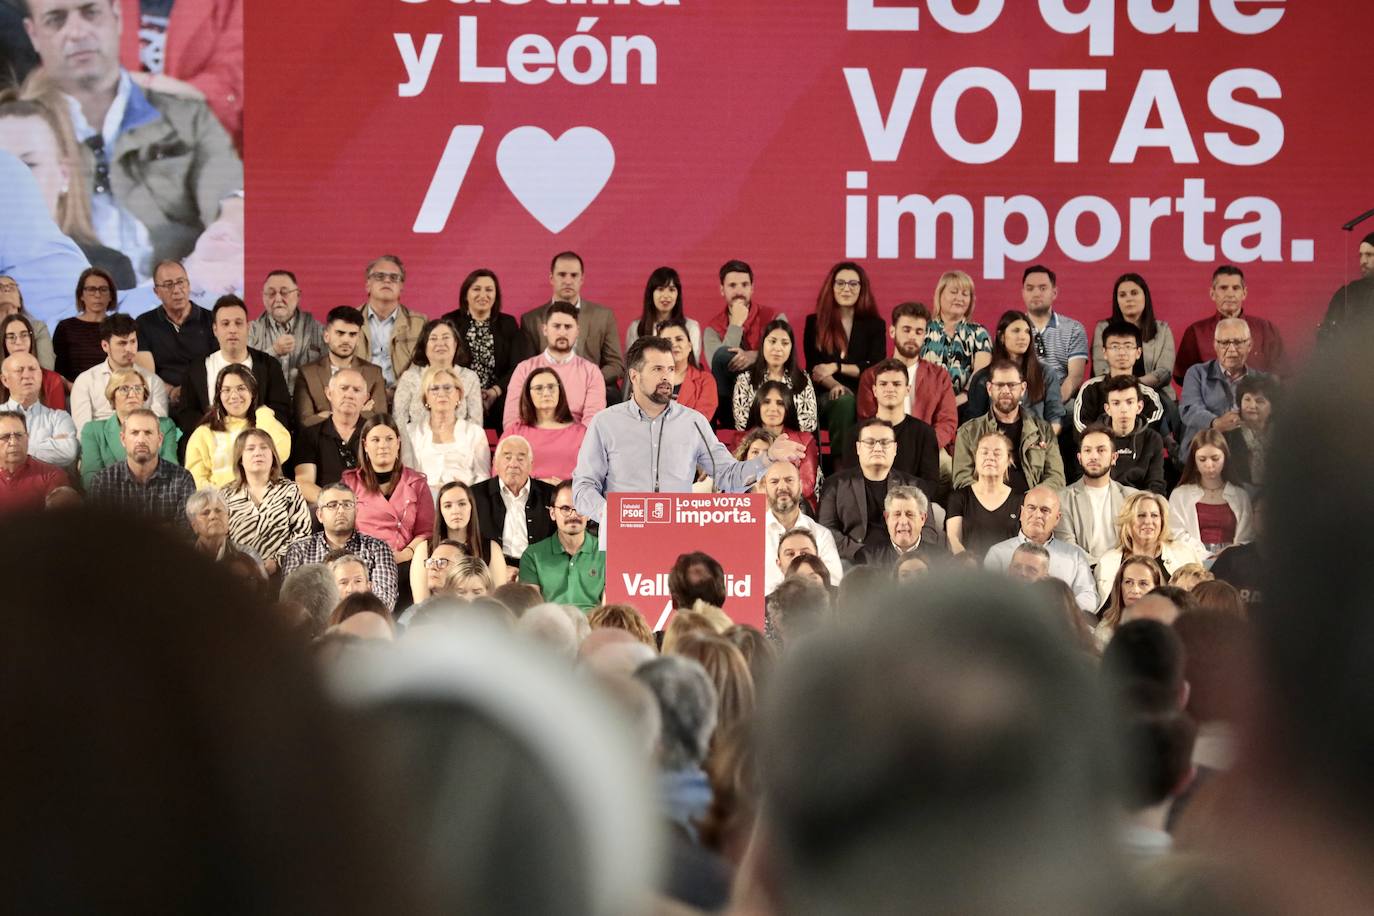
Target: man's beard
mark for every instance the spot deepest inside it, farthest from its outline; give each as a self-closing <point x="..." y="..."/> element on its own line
<point x="784" y="502"/>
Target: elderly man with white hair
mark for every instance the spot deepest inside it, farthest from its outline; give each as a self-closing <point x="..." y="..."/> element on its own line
<point x="52" y="434"/>
<point x="512" y="506"/>
<point x="1209" y="389"/>
<point x="687" y="705"/>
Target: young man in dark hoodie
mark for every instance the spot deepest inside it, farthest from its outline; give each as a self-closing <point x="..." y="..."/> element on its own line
<point x="1139" y="449"/>
<point x="1122" y="342"/>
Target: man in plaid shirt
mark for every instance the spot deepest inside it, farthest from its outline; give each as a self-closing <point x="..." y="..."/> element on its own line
<point x="142" y="483"/>
<point x="338" y="513"/>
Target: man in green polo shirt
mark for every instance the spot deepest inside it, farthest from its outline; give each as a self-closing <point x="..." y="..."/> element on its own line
<point x="567" y="566"/>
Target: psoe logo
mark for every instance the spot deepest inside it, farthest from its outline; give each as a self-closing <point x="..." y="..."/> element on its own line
<point x="660" y="510"/>
<point x="633" y="512"/>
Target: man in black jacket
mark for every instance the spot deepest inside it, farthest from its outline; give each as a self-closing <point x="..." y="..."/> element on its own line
<point x="918" y="448"/>
<point x="1139" y="449"/>
<point x="229" y="322"/>
<point x="512" y="507"/>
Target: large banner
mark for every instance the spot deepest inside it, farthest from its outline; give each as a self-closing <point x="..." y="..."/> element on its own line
<point x="1098" y="137"/>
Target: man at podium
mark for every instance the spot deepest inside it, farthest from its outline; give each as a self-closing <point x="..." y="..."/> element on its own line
<point x="653" y="444"/>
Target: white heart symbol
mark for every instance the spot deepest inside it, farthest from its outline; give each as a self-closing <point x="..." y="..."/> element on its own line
<point x="555" y="180"/>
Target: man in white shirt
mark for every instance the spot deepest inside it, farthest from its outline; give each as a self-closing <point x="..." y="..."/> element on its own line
<point x="1068" y="563"/>
<point x="1089" y="507"/>
<point x="782" y="485"/>
<point x="119" y="340"/>
<point x="512" y="507"/>
<point x="52" y="435"/>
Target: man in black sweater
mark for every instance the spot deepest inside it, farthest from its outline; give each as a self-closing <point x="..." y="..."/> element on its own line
<point x="1139" y="449"/>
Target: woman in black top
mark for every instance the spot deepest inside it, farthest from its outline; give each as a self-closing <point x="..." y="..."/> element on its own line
<point x="841" y="339"/>
<point x="986" y="511"/>
<point x="493" y="340"/>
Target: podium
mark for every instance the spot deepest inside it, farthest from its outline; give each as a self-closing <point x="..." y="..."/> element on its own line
<point x="645" y="533"/>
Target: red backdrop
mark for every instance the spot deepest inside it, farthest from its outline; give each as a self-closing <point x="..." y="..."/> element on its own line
<point x="740" y="143"/>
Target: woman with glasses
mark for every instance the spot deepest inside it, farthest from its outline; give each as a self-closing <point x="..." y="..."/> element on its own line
<point x="493" y="339"/>
<point x="953" y="340"/>
<point x="210" y="450"/>
<point x="76" y="341"/>
<point x="1015" y="341"/>
<point x="775" y="413"/>
<point x="439" y="347"/>
<point x="841" y="339"/>
<point x="266" y="511"/>
<point x="455" y="521"/>
<point x="1131" y="303"/>
<point x="547" y="424"/>
<point x="17" y="336"/>
<point x="100" y="446"/>
<point x="445" y="445"/>
<point x="663" y="303"/>
<point x="777" y="362"/>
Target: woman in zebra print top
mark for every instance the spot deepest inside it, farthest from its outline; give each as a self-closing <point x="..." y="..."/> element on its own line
<point x="266" y="511"/>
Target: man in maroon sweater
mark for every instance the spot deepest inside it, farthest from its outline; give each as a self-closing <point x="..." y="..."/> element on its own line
<point x="1229" y="292"/>
<point x="24" y="482"/>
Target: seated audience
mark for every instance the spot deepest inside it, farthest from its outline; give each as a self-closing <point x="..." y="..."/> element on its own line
<point x="337" y="512"/>
<point x="1190" y="575"/>
<point x="1160" y="744"/>
<point x="363" y="614"/>
<point x="394" y="502"/>
<point x="512" y="507"/>
<point x="733" y="338"/>
<point x="209" y="519"/>
<point x="16" y="336"/>
<point x="1144" y="528"/>
<point x="52" y="434"/>
<point x="663" y="305"/>
<point x="852" y="501"/>
<point x="695" y="578"/>
<point x="343" y="327"/>
<point x="266" y="511"/>
<point x="1198" y="345"/>
<point x="568" y="567"/>
<point x="811" y="568"/>
<point x="210" y="449"/>
<point x="442" y="444"/>
<point x="25" y="482"/>
<point x="781" y="484"/>
<point x="439" y="347"/>
<point x="1154" y="360"/>
<point x="793" y="543"/>
<point x="952" y="340"/>
<point x="1209" y="388"/>
<point x="931" y="394"/>
<point x="455" y="520"/>
<point x="1139" y="450"/>
<point x="125" y="391"/>
<point x="1256" y="396"/>
<point x="623" y="617"/>
<point x="798" y="607"/>
<point x="327" y="449"/>
<point x="1035" y="457"/>
<point x="842" y="338"/>
<point x="200" y="395"/>
<point x="468" y="579"/>
<point x="1220" y="597"/>
<point x="12" y="303"/>
<point x="143" y="484"/>
<point x="492" y="338"/>
<point x="598" y="339"/>
<point x="777" y="362"/>
<point x="774" y="412"/>
<point x="546" y="423"/>
<point x="1214" y="510"/>
<point x="350" y="576"/>
<point x="284" y="330"/>
<point x="1163" y="604"/>
<point x="428" y="572"/>
<point x="986" y="511"/>
<point x="1013" y="343"/>
<point x="392" y="350"/>
<point x="178" y="334"/>
<point x="1090" y="505"/>
<point x="693" y="386"/>
<point x="1067" y="562"/>
<point x="119" y="341"/>
<point x="730" y="675"/>
<point x="1060" y="597"/>
<point x="918" y="446"/>
<point x="1135" y="578"/>
<point x="1123" y="356"/>
<point x="1030" y="562"/>
<point x="583" y="383"/>
<point x="312" y="588"/>
<point x="905" y="511"/>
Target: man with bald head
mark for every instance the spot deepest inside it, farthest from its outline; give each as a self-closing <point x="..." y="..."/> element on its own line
<point x="781" y="483"/>
<point x="327" y="449"/>
<point x="1209" y="390"/>
<point x="1068" y="563"/>
<point x="51" y="433"/>
<point x="513" y="507"/>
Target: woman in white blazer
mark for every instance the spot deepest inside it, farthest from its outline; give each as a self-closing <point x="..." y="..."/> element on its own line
<point x="1144" y="528"/>
<point x="1212" y="509"/>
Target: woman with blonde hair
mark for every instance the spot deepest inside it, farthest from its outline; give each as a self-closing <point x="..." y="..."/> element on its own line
<point x="953" y="340"/>
<point x="1136" y="577"/>
<point x="467" y="578"/>
<point x="101" y="447"/>
<point x="210" y="450"/>
<point x="266" y="511"/>
<point x="1190" y="576"/>
<point x="444" y="444"/>
<point x="1143" y="528"/>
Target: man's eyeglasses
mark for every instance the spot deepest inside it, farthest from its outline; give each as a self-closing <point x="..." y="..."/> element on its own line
<point x="1004" y="386"/>
<point x="178" y="283"/>
<point x="875" y="445"/>
<point x="279" y="293"/>
<point x="565" y="511"/>
<point x="338" y="504"/>
<point x="1221" y="344"/>
<point x="8" y="286"/>
<point x="382" y="277"/>
<point x="1120" y="347"/>
<point x="17" y="436"/>
<point x="438" y="563"/>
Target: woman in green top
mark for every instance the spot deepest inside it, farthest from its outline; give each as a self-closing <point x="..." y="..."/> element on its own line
<point x="100" y="446"/>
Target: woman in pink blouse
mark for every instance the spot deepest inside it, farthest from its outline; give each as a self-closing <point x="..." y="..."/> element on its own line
<point x="394" y="502"/>
<point x="547" y="424"/>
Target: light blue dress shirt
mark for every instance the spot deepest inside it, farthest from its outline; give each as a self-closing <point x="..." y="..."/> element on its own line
<point x="1068" y="563"/>
<point x="379" y="331"/>
<point x="52" y="434"/>
<point x="625" y="451"/>
<point x="43" y="261"/>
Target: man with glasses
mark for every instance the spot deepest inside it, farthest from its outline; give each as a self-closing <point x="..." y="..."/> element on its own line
<point x="568" y="567"/>
<point x="25" y="481"/>
<point x="11" y="303"/>
<point x="390" y="330"/>
<point x="1209" y="389"/>
<point x="905" y="510"/>
<point x="119" y="340"/>
<point x="1122" y="343"/>
<point x="338" y="515"/>
<point x="1228" y="293"/>
<point x="1068" y="562"/>
<point x="52" y="434"/>
<point x="853" y="501"/>
<point x="179" y="333"/>
<point x="1060" y="342"/>
<point x="143" y="484"/>
<point x="160" y="168"/>
<point x="1036" y="459"/>
<point x="342" y="329"/>
<point x="283" y="330"/>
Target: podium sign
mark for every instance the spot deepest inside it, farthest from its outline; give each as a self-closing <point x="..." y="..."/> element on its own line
<point x="646" y="532"/>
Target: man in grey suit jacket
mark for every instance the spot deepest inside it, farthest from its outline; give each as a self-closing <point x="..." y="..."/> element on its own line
<point x="598" y="339"/>
<point x="1090" y="506"/>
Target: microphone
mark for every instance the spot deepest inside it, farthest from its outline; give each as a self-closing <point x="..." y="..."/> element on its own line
<point x="715" y="486"/>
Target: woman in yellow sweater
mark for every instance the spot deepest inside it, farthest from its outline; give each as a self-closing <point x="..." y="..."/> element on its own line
<point x="210" y="450"/>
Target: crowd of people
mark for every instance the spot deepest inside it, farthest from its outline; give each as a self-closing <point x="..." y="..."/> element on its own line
<point x="381" y="477"/>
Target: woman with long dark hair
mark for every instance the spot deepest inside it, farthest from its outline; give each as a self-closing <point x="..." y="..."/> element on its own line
<point x="842" y="338"/>
<point x="76" y="340"/>
<point x="492" y="338"/>
<point x="1131" y="303"/>
<point x="663" y="302"/>
<point x="547" y="424"/>
<point x="1013" y="341"/>
<point x="394" y="502"/>
<point x="455" y="520"/>
<point x="777" y="362"/>
<point x="774" y="411"/>
<point x="693" y="386"/>
<point x="210" y="450"/>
